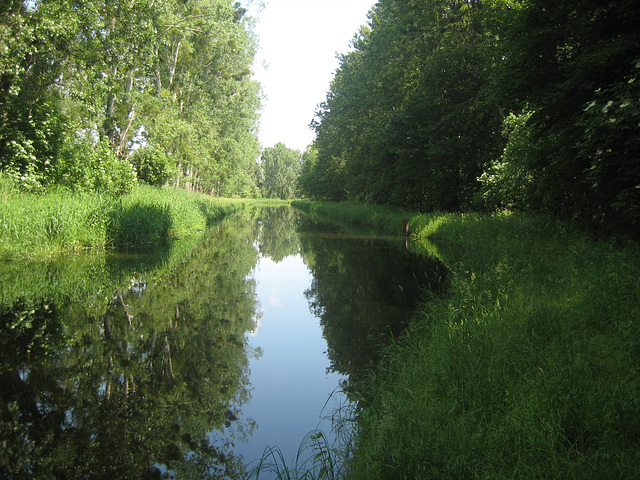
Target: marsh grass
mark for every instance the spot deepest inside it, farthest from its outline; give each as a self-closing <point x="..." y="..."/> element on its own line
<point x="529" y="368"/>
<point x="61" y="221"/>
<point x="319" y="456"/>
<point x="316" y="459"/>
<point x="46" y="224"/>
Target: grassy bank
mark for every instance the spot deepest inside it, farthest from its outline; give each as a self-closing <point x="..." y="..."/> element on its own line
<point x="147" y="218"/>
<point x="527" y="369"/>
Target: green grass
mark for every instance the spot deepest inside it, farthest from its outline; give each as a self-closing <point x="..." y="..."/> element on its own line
<point x="386" y="219"/>
<point x="147" y="218"/>
<point x="529" y="368"/>
<point x="315" y="459"/>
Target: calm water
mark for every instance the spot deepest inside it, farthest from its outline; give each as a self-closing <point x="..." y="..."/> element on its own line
<point x="192" y="362"/>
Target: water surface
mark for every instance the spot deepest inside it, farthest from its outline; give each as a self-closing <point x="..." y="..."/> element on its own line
<point x="193" y="361"/>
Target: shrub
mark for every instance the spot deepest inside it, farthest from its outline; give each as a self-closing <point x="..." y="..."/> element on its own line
<point x="153" y="166"/>
<point x="93" y="167"/>
<point x="507" y="182"/>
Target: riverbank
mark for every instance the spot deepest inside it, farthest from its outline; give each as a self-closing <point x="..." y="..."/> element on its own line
<point x="147" y="218"/>
<point x="528" y="368"/>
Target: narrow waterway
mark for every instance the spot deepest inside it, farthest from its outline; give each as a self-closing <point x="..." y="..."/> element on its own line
<point x="197" y="360"/>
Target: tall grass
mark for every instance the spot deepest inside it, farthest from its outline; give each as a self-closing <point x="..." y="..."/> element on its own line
<point x="527" y="369"/>
<point x="46" y="224"/>
<point x="147" y="218"/>
<point x="387" y="220"/>
<point x="316" y="459"/>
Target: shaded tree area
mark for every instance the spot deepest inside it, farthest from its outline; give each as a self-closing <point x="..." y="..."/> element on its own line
<point x="580" y="91"/>
<point x="102" y="94"/>
<point x="408" y="120"/>
<point x="451" y="105"/>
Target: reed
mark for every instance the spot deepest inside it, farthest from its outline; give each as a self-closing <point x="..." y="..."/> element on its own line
<point x="316" y="459"/>
<point x="62" y="221"/>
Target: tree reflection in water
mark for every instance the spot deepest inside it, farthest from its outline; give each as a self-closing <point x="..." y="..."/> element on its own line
<point x="137" y="366"/>
<point x="364" y="291"/>
<point x="365" y="288"/>
<point x="105" y="377"/>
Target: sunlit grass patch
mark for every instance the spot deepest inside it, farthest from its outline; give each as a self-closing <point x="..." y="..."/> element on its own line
<point x="51" y="223"/>
<point x="146" y="218"/>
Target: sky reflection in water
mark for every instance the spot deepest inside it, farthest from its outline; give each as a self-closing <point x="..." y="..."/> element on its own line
<point x="290" y="382"/>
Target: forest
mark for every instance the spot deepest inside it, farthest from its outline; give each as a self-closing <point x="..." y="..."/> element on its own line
<point x="100" y="95"/>
<point x="440" y="105"/>
<point x="457" y="105"/>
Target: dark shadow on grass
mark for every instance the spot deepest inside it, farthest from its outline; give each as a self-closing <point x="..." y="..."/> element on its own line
<point x="139" y="227"/>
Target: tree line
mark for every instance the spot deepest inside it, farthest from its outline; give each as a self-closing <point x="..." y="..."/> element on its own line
<point x="448" y="105"/>
<point x="97" y="95"/>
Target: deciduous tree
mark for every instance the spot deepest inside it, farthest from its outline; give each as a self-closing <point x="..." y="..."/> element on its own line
<point x="280" y="166"/>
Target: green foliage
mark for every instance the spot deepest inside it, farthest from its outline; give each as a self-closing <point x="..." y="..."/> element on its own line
<point x="579" y="56"/>
<point x="173" y="76"/>
<point x="30" y="145"/>
<point x="32" y="124"/>
<point x="92" y="167"/>
<point x="609" y="149"/>
<point x="153" y="166"/>
<point x="507" y="182"/>
<point x="415" y="110"/>
<point x="408" y="120"/>
<point x="305" y="178"/>
<point x="204" y="102"/>
<point x="280" y="167"/>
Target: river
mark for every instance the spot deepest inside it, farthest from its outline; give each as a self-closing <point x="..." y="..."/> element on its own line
<point x="195" y="361"/>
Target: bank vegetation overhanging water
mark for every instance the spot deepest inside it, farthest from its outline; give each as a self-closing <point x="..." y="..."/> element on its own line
<point x="528" y="368"/>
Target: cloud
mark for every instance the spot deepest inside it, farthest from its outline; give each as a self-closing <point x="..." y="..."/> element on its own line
<point x="274" y="300"/>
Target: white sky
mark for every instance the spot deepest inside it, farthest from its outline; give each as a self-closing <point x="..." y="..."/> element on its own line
<point x="298" y="42"/>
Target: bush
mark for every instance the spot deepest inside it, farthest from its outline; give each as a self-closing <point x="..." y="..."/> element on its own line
<point x="508" y="182"/>
<point x="93" y="167"/>
<point x="609" y="150"/>
<point x="153" y="166"/>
